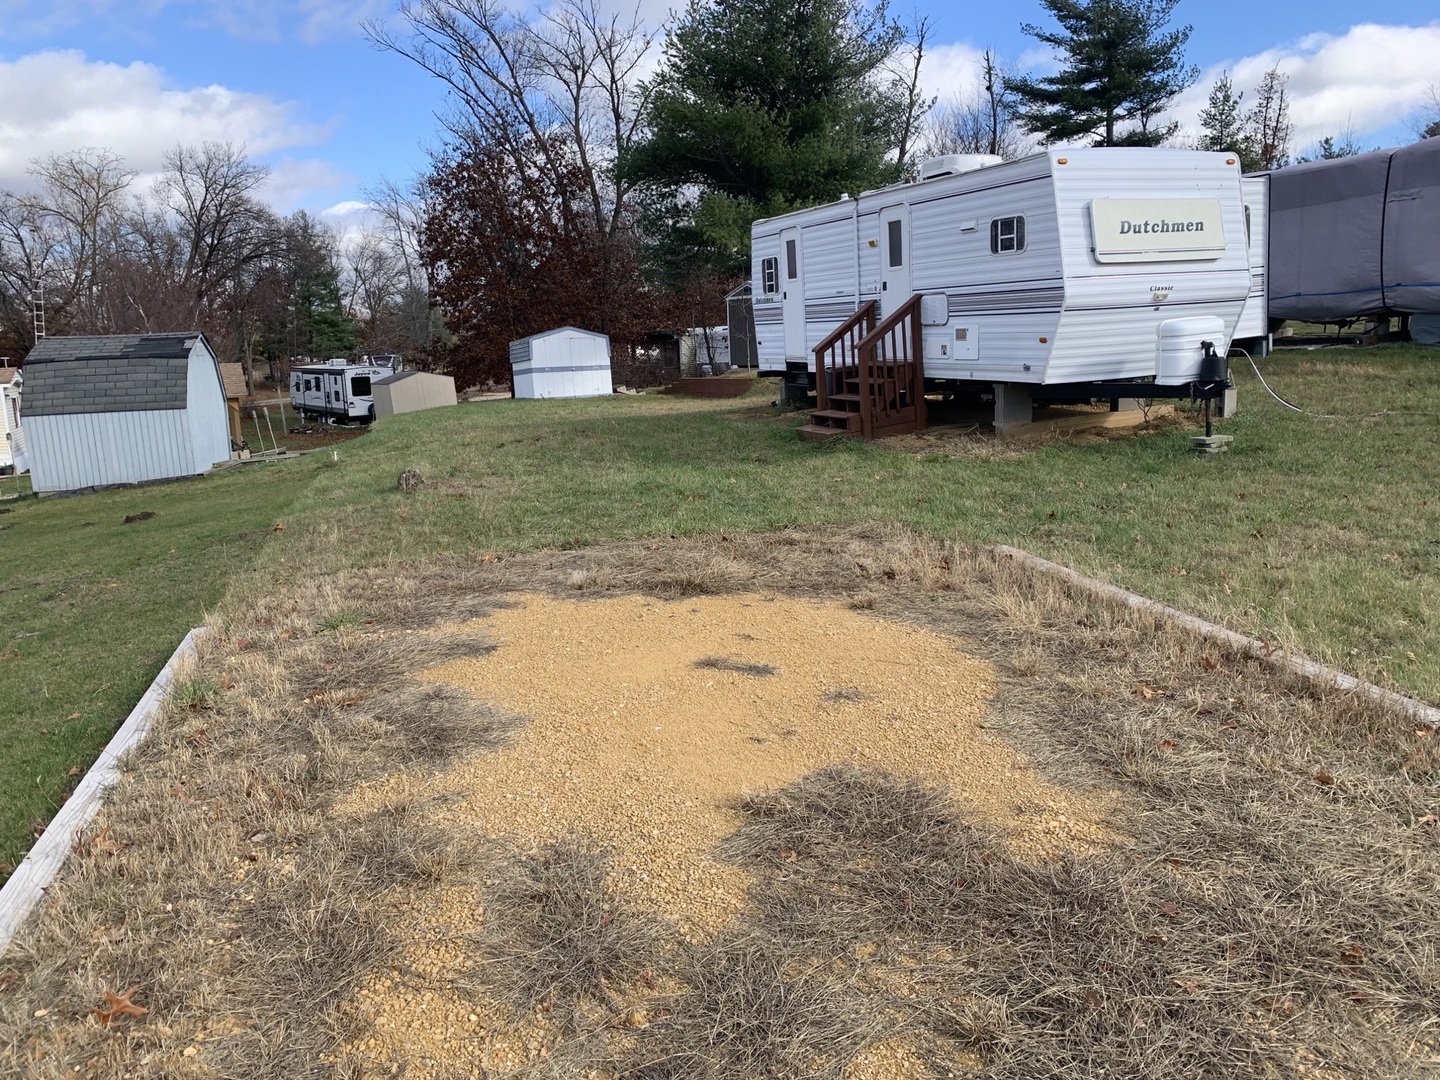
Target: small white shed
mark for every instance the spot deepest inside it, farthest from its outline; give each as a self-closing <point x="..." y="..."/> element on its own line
<point x="411" y="391"/>
<point x="562" y="363"/>
<point x="12" y="438"/>
<point x="123" y="409"/>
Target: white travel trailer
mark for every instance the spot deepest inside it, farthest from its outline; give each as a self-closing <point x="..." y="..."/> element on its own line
<point x="1060" y="270"/>
<point x="1252" y="331"/>
<point x="337" y="391"/>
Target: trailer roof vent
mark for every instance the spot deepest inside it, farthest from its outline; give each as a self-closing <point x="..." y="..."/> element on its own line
<point x="955" y="164"/>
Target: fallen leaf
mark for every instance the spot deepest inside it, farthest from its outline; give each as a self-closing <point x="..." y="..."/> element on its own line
<point x="74" y="770"/>
<point x="279" y="526"/>
<point x="1352" y="954"/>
<point x="73" y="716"/>
<point x="42" y="1012"/>
<point x="1190" y="986"/>
<point x="1093" y="998"/>
<point x="1168" y="746"/>
<point x="1323" y="777"/>
<point x="9" y="981"/>
<point x="1210" y="663"/>
<point x="1140" y="690"/>
<point x="120" y="1005"/>
<point x="1428" y="819"/>
<point x="1169" y="909"/>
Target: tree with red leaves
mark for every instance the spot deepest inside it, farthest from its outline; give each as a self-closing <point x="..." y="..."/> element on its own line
<point x="515" y="251"/>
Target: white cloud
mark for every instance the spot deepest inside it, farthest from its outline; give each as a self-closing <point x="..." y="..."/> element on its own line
<point x="59" y="101"/>
<point x="951" y="71"/>
<point x="346" y="208"/>
<point x="1365" y="81"/>
<point x="300" y="182"/>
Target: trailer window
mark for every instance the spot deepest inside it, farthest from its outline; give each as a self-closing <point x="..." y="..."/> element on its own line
<point x="1007" y="235"/>
<point x="770" y="275"/>
<point x="1247" y="226"/>
<point x="791" y="271"/>
<point x="895" y="243"/>
<point x="360" y="385"/>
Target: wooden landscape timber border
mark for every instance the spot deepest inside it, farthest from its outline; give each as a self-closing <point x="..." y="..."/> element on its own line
<point x="1320" y="673"/>
<point x="37" y="870"/>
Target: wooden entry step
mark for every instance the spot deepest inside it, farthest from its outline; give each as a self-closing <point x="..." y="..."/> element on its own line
<point x="820" y="433"/>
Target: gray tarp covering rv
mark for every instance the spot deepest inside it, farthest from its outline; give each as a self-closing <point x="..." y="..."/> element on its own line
<point x="1356" y="236"/>
<point x="1412" y="229"/>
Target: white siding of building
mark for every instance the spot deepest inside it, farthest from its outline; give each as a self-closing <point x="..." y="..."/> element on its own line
<point x="209" y="417"/>
<point x="85" y="450"/>
<point x="12" y="437"/>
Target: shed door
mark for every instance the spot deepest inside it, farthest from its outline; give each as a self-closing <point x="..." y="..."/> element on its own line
<point x="894" y="257"/>
<point x="792" y="292"/>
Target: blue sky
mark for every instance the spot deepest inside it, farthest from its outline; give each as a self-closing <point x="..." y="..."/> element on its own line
<point x="299" y="84"/>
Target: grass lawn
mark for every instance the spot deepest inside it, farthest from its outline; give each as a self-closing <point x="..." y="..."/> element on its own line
<point x="90" y="608"/>
<point x="1319" y="529"/>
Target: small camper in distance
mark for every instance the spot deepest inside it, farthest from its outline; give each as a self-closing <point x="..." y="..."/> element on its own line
<point x="337" y="391"/>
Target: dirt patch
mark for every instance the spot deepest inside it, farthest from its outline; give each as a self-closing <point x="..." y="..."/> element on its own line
<point x="634" y="739"/>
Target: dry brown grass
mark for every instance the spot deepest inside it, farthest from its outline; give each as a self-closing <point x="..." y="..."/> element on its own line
<point x="556" y="936"/>
<point x="1271" y="910"/>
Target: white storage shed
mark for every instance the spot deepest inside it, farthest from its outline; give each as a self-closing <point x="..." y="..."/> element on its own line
<point x="412" y="391"/>
<point x="562" y="363"/>
<point x="12" y="438"/>
<point x="123" y="409"/>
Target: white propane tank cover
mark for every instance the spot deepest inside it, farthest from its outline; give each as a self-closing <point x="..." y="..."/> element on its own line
<point x="1179" y="350"/>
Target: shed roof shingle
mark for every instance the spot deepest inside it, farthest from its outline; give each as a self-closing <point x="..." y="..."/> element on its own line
<point x="111" y="373"/>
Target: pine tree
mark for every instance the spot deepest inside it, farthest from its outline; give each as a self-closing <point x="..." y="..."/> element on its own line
<point x="762" y="106"/>
<point x="1122" y="69"/>
<point x="1223" y="128"/>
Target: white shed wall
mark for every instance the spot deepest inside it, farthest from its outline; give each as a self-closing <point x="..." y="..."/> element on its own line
<point x="561" y="364"/>
<point x="209" y="416"/>
<point x="95" y="449"/>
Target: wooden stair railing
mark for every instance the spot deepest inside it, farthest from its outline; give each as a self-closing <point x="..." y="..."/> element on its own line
<point x="837" y="369"/>
<point x="892" y="375"/>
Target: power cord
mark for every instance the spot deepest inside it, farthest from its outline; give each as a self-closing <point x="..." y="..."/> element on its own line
<point x="1277" y="397"/>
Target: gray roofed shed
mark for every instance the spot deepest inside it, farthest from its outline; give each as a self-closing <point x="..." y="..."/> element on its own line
<point x="122" y="409"/>
<point x="116" y="373"/>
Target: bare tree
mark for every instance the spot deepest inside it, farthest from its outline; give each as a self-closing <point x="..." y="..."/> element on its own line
<point x="980" y="122"/>
<point x="210" y="189"/>
<point x="1427" y="123"/>
<point x="1269" y="121"/>
<point x="905" y="67"/>
<point x="78" y="212"/>
<point x="518" y="79"/>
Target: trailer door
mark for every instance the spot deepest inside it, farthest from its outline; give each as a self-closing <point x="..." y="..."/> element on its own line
<point x="894" y="257"/>
<point x="792" y="293"/>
